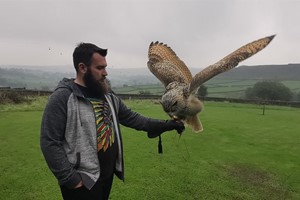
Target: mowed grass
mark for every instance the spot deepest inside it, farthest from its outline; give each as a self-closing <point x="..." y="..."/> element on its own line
<point x="241" y="154"/>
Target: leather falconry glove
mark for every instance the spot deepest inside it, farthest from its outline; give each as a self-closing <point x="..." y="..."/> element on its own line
<point x="157" y="128"/>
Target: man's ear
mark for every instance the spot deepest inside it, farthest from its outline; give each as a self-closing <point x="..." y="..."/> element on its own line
<point x="82" y="68"/>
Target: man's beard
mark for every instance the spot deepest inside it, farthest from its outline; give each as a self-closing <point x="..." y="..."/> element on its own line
<point x="97" y="88"/>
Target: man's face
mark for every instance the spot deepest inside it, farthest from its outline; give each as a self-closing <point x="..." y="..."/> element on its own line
<point x="98" y="67"/>
<point x="96" y="74"/>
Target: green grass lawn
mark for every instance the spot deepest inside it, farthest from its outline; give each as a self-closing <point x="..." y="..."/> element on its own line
<point x="241" y="154"/>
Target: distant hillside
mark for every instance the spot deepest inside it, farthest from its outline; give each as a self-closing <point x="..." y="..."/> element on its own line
<point x="264" y="72"/>
<point x="48" y="77"/>
<point x="260" y="72"/>
<point x="31" y="79"/>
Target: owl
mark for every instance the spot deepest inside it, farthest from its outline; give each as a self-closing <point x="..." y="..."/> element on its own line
<point x="180" y="101"/>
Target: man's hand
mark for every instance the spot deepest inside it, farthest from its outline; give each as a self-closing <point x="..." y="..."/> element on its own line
<point x="177" y="125"/>
<point x="156" y="129"/>
<point x="80" y="184"/>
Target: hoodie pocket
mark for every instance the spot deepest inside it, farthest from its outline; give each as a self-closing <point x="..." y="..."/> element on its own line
<point x="78" y="158"/>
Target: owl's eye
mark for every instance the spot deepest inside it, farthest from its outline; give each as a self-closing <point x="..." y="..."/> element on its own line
<point x="173" y="107"/>
<point x="175" y="103"/>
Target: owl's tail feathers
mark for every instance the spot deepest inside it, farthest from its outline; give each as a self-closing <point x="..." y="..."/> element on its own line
<point x="195" y="123"/>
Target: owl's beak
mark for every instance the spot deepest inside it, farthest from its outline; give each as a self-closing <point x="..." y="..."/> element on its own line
<point x="176" y="118"/>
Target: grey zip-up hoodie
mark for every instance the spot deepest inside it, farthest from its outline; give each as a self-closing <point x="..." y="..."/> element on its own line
<point x="68" y="134"/>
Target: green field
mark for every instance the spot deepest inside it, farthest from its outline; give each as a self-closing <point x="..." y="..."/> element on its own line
<point x="215" y="88"/>
<point x="241" y="154"/>
<point x="136" y="89"/>
<point x="236" y="88"/>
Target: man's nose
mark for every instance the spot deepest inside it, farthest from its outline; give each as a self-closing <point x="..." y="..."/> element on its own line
<point x="104" y="73"/>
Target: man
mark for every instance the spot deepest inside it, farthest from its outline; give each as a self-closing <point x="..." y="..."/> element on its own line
<point x="80" y="133"/>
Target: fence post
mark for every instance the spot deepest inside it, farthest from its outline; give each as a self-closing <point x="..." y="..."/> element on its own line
<point x="264" y="107"/>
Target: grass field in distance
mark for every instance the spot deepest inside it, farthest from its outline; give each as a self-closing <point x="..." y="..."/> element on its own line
<point x="215" y="87"/>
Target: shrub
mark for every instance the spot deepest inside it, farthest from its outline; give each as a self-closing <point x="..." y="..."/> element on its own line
<point x="269" y="90"/>
<point x="202" y="91"/>
<point x="12" y="97"/>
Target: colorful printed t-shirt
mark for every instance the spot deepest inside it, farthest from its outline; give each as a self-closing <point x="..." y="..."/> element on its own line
<point x="104" y="125"/>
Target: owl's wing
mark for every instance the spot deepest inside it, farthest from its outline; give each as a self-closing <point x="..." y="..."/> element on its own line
<point x="166" y="66"/>
<point x="229" y="62"/>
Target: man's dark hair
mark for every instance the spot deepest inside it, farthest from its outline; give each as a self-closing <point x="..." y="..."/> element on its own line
<point x="83" y="54"/>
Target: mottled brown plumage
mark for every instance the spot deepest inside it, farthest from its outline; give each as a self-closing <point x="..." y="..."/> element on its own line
<point x="179" y="100"/>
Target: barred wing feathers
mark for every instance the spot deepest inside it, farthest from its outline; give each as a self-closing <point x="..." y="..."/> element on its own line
<point x="166" y="66"/>
<point x="229" y="62"/>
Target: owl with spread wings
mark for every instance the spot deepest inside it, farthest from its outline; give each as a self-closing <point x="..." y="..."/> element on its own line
<point x="179" y="100"/>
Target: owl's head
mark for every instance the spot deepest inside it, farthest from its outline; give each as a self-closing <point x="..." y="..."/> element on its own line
<point x="174" y="103"/>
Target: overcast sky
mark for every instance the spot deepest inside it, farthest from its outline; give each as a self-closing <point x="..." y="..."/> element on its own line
<point x="45" y="32"/>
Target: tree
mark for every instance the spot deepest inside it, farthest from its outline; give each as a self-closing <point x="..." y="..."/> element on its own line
<point x="202" y="91"/>
<point x="269" y="90"/>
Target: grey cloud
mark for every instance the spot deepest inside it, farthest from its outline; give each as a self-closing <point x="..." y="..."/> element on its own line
<point x="200" y="31"/>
